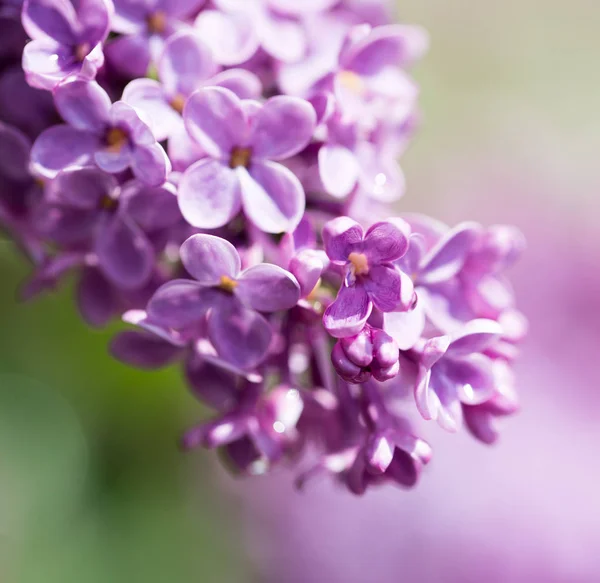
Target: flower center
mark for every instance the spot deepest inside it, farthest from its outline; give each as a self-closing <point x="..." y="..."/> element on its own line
<point x="351" y="81"/>
<point x="240" y="157"/>
<point x="178" y="103"/>
<point x="359" y="263"/>
<point x="82" y="51"/>
<point x="107" y="203"/>
<point x="157" y="22"/>
<point x="116" y="138"/>
<point x="227" y="284"/>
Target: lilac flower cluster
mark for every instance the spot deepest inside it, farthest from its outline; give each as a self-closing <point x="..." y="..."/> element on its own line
<point x="205" y="169"/>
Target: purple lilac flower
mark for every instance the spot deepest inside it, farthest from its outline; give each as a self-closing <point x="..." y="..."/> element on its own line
<point x="185" y="65"/>
<point x="229" y="297"/>
<point x="114" y="137"/>
<point x="370" y="279"/>
<point x="454" y="370"/>
<point x="240" y="27"/>
<point x="303" y="332"/>
<point x="145" y="26"/>
<point x="242" y="138"/>
<point x="87" y="207"/>
<point x="67" y="39"/>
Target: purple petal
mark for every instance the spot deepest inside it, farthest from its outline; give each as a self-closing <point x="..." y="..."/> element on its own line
<point x="273" y="197"/>
<point x="475" y="336"/>
<point x="62" y="147"/>
<point x="340" y="237"/>
<point x="391" y="45"/>
<point x="82" y="104"/>
<point x="436" y="399"/>
<point x="240" y="335"/>
<point x="474" y="378"/>
<point x="283" y="127"/>
<point x="185" y="64"/>
<point x="53" y="18"/>
<point x="448" y="256"/>
<point x="383" y="287"/>
<point x="209" y="194"/>
<point x="307" y="267"/>
<point x="143" y="350"/>
<point x="338" y="169"/>
<point x="129" y="55"/>
<point x="180" y="9"/>
<point x="244" y="84"/>
<point x="152" y="208"/>
<point x="94" y="18"/>
<point x="214" y="118"/>
<point x="282" y="38"/>
<point x="348" y="314"/>
<point x="150" y="164"/>
<point x="267" y="288"/>
<point x="208" y="258"/>
<point x="96" y="298"/>
<point x="213" y="385"/>
<point x="113" y="161"/>
<point x="386" y="241"/>
<point x="65" y="225"/>
<point x="124" y="253"/>
<point x="405" y="327"/>
<point x="150" y="97"/>
<point x="47" y="63"/>
<point x="231" y="37"/>
<point x="179" y="303"/>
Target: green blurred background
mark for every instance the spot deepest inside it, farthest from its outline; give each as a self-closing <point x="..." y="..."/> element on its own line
<point x="92" y="485"/>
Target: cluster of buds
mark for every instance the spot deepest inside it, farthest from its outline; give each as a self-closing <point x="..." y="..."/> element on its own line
<point x="219" y="175"/>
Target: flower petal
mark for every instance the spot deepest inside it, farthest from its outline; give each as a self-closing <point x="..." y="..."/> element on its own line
<point x="474" y="336"/>
<point x="124" y="253"/>
<point x="129" y="55"/>
<point x="47" y="63"/>
<point x="14" y="154"/>
<point x="240" y="335"/>
<point x="209" y="194"/>
<point x="386" y="241"/>
<point x="178" y="303"/>
<point x="51" y="18"/>
<point x="267" y="288"/>
<point x="143" y="350"/>
<point x="214" y="118"/>
<point x="474" y="378"/>
<point x="97" y="300"/>
<point x="149" y="96"/>
<point x="348" y="313"/>
<point x="243" y="83"/>
<point x="231" y="37"/>
<point x="185" y="64"/>
<point x="282" y="38"/>
<point x="273" y="197"/>
<point x="340" y="237"/>
<point x="448" y="256"/>
<point x="208" y="258"/>
<point x="338" y="169"/>
<point x="81" y="188"/>
<point x="61" y="147"/>
<point x="383" y="286"/>
<point x="83" y="104"/>
<point x="283" y="127"/>
<point x="405" y="327"/>
<point x="150" y="164"/>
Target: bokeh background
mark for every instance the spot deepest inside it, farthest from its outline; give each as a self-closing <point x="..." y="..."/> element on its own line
<point x="93" y="488"/>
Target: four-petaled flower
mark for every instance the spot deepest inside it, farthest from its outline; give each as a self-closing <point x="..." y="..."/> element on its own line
<point x="114" y="137"/>
<point x="67" y="39"/>
<point x="241" y="139"/>
<point x="231" y="298"/>
<point x="370" y="279"/>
